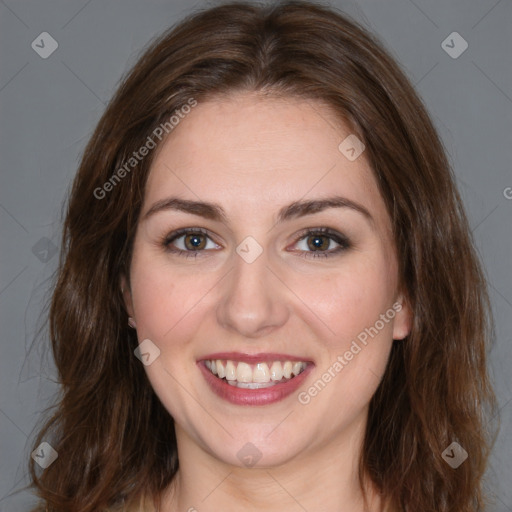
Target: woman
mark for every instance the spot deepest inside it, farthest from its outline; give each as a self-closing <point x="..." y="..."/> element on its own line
<point x="268" y="295"/>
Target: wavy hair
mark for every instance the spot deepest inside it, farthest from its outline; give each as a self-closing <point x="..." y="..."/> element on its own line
<point x="115" y="440"/>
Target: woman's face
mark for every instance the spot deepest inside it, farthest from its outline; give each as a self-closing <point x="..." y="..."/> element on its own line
<point x="249" y="287"/>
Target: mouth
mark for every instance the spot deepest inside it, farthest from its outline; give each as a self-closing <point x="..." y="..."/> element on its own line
<point x="255" y="376"/>
<point x="255" y="380"/>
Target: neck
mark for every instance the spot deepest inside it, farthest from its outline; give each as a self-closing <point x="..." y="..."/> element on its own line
<point x="325" y="475"/>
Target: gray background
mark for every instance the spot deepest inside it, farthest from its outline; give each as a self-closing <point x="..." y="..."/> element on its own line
<point x="49" y="108"/>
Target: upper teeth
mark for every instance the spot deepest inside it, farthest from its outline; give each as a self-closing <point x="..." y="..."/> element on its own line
<point x="260" y="372"/>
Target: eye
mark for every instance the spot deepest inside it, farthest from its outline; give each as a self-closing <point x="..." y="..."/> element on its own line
<point x="319" y="242"/>
<point x="189" y="242"/>
<point x="313" y="243"/>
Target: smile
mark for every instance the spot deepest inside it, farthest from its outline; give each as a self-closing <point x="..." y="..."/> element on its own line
<point x="255" y="376"/>
<point x="257" y="380"/>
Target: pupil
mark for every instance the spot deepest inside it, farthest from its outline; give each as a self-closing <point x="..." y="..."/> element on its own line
<point x="194" y="241"/>
<point x="317" y="242"/>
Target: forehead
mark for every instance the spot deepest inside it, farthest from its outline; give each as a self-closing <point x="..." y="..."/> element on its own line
<point x="254" y="154"/>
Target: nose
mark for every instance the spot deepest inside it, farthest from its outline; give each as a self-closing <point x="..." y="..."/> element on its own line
<point x="253" y="299"/>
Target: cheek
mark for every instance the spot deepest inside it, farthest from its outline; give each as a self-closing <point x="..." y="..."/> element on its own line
<point x="350" y="298"/>
<point x="357" y="346"/>
<point x="168" y="309"/>
<point x="165" y="299"/>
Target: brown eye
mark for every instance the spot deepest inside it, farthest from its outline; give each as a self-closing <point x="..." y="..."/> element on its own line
<point x="189" y="242"/>
<point x="195" y="241"/>
<point x="322" y="242"/>
<point x="318" y="242"/>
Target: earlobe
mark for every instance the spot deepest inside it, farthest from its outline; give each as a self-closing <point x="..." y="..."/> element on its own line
<point x="402" y="323"/>
<point x="127" y="297"/>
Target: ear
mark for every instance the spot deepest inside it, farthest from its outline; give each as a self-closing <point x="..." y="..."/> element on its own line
<point x="127" y="295"/>
<point x="402" y="322"/>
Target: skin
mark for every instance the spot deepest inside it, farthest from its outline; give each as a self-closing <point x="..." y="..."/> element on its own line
<point x="252" y="156"/>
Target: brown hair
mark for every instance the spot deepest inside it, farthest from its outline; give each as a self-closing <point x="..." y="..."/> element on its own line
<point x="115" y="440"/>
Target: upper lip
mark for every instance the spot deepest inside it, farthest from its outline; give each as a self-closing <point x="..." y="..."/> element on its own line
<point x="253" y="358"/>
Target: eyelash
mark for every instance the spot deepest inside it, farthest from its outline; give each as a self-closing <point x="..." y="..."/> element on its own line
<point x="341" y="240"/>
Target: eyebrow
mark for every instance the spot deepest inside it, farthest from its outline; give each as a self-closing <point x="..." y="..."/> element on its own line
<point x="294" y="210"/>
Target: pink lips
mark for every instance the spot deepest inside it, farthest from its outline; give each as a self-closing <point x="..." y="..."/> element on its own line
<point x="242" y="396"/>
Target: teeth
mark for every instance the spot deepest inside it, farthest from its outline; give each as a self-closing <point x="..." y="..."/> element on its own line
<point x="230" y="371"/>
<point x="276" y="371"/>
<point x="296" y="368"/>
<point x="221" y="372"/>
<point x="243" y="373"/>
<point x="251" y="385"/>
<point x="261" y="373"/>
<point x="256" y="376"/>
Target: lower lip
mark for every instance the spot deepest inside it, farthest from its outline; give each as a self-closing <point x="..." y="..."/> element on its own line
<point x="263" y="396"/>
